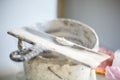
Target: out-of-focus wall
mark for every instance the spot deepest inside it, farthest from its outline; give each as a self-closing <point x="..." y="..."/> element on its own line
<point x="18" y="13"/>
<point x="102" y="15"/>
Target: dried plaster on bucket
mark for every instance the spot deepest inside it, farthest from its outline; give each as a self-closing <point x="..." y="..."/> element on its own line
<point x="53" y="66"/>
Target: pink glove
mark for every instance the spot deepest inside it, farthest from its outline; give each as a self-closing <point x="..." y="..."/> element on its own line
<point x="113" y="73"/>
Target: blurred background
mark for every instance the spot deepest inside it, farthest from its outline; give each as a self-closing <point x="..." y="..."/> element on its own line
<point x="102" y="15"/>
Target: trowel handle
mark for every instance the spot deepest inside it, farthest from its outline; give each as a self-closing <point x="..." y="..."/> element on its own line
<point x="25" y="54"/>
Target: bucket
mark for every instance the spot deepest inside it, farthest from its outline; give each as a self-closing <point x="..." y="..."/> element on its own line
<point x="51" y="66"/>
